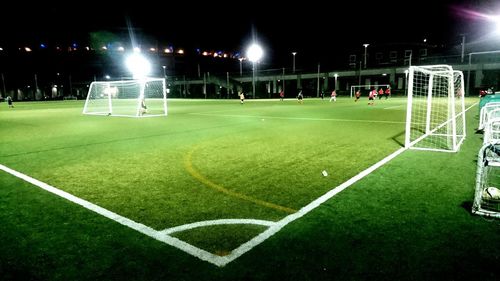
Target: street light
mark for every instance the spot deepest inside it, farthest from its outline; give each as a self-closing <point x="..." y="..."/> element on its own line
<point x="254" y="54"/>
<point x="164" y="70"/>
<point x="241" y="67"/>
<point x="336" y="76"/>
<point x="406" y="84"/>
<point x="293" y="65"/>
<point x="366" y="46"/>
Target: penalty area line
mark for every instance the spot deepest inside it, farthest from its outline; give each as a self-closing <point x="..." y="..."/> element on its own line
<point x="306" y="209"/>
<point x="146" y="230"/>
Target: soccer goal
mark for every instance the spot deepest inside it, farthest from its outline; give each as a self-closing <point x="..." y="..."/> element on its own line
<point x="487" y="192"/>
<point x="435" y="116"/>
<point x="355" y="88"/>
<point x="129" y="98"/>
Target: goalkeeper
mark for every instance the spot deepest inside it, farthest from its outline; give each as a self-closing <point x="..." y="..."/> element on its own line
<point x="144" y="108"/>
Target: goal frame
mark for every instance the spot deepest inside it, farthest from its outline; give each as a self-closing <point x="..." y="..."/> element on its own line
<point x="452" y="116"/>
<point x="138" y="110"/>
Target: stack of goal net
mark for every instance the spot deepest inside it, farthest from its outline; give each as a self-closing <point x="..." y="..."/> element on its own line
<point x="130" y="98"/>
<point x="436" y="111"/>
<point x="487" y="194"/>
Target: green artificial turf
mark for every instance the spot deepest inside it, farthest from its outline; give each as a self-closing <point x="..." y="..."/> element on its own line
<point x="409" y="220"/>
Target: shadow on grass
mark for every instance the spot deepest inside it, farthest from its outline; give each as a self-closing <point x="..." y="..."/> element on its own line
<point x="399" y="138"/>
<point x="467" y="205"/>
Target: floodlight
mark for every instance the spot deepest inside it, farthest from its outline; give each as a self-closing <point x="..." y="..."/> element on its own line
<point x="254" y="53"/>
<point x="138" y="65"/>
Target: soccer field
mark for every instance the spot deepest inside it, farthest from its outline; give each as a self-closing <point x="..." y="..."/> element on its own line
<point x="214" y="174"/>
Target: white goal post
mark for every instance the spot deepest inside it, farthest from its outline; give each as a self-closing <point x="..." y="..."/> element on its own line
<point x="355" y="88"/>
<point x="128" y="98"/>
<point x="435" y="116"/>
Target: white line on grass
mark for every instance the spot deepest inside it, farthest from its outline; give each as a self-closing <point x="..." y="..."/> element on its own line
<point x="396" y="106"/>
<point x="314" y="204"/>
<point x="301" y="118"/>
<point x="188" y="248"/>
<point x="200" y="253"/>
<point x="185" y="227"/>
<point x="163" y="236"/>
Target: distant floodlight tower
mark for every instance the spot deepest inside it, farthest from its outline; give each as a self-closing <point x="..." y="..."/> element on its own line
<point x="254" y="54"/>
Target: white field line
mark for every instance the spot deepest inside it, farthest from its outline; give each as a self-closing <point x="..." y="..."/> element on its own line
<point x="301" y="118"/>
<point x="188" y="248"/>
<point x="164" y="236"/>
<point x="185" y="227"/>
<point x="396" y="106"/>
<point x="311" y="206"/>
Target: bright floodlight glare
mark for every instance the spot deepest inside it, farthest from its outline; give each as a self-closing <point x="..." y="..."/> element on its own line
<point x="254" y="52"/>
<point x="497" y="24"/>
<point x="138" y="65"/>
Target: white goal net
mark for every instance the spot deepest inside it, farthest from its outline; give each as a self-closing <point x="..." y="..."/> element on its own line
<point x="129" y="98"/>
<point x="435" y="117"/>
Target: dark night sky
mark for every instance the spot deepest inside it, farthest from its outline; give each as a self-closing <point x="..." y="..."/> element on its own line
<point x="315" y="30"/>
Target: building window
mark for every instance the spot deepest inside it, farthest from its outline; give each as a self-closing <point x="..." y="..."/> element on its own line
<point x="352" y="60"/>
<point x="408" y="57"/>
<point x="393" y="55"/>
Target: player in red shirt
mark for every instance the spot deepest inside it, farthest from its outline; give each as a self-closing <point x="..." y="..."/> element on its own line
<point x="371" y="96"/>
<point x="334" y="96"/>
<point x="380" y="93"/>
<point x="387" y="92"/>
<point x="282" y="95"/>
<point x="357" y="95"/>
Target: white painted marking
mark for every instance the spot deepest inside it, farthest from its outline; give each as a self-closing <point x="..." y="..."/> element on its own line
<point x="301" y="118"/>
<point x="311" y="206"/>
<point x="188" y="248"/>
<point x="402" y="106"/>
<point x="216" y="222"/>
<point x="163" y="236"/>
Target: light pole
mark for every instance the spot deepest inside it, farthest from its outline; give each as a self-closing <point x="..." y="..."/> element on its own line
<point x="336" y="76"/>
<point x="254" y="54"/>
<point x="3" y="84"/>
<point x="317" y="87"/>
<point x="463" y="48"/>
<point x="366" y="47"/>
<point x="406" y="82"/>
<point x="164" y="71"/>
<point x="293" y="64"/>
<point x="241" y="67"/>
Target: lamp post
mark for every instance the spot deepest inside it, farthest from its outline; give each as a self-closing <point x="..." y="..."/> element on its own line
<point x="463" y="48"/>
<point x="366" y="47"/>
<point x="336" y="76"/>
<point x="241" y="67"/>
<point x="293" y="64"/>
<point x="406" y="82"/>
<point x="164" y="71"/>
<point x="254" y="54"/>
